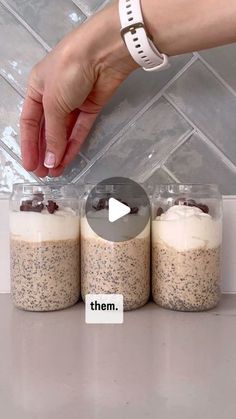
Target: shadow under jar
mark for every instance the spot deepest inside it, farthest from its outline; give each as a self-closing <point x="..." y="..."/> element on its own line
<point x="112" y="266"/>
<point x="44" y="247"/>
<point x="186" y="246"/>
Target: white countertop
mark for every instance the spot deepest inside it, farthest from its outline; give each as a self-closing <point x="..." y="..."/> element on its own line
<point x="159" y="364"/>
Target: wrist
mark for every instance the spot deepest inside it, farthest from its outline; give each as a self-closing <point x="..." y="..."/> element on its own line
<point x="181" y="26"/>
<point x="158" y="24"/>
<point x="109" y="49"/>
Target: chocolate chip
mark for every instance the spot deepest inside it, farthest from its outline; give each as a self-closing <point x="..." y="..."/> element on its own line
<point x="203" y="207"/>
<point x="159" y="211"/>
<point x="37" y="208"/>
<point x="134" y="210"/>
<point x="190" y="203"/>
<point x="39" y="196"/>
<point x="52" y="206"/>
<point x="185" y="201"/>
<point x="31" y="205"/>
<point x="26" y="205"/>
<point x="180" y="201"/>
<point x="101" y="204"/>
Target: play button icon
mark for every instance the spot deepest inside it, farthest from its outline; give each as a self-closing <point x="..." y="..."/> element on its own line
<point x="116" y="210"/>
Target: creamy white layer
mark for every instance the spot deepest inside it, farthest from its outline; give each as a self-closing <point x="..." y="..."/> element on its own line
<point x="87" y="231"/>
<point x="186" y="228"/>
<point x="38" y="227"/>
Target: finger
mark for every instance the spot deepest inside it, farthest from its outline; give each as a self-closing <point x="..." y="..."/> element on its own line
<point x="41" y="170"/>
<point x="55" y="134"/>
<point x="70" y="122"/>
<point x="30" y="122"/>
<point x="79" y="133"/>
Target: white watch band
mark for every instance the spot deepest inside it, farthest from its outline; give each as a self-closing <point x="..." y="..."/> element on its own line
<point x="134" y="34"/>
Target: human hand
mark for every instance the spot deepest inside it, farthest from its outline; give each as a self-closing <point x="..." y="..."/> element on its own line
<point x="67" y="90"/>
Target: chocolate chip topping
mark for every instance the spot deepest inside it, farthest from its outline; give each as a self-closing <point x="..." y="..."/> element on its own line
<point x="29" y="205"/>
<point x="134" y="210"/>
<point x="192" y="203"/>
<point x="36" y="204"/>
<point x="103" y="203"/>
<point x="187" y="202"/>
<point x="159" y="211"/>
<point x="180" y="201"/>
<point x="204" y="208"/>
<point x="39" y="196"/>
<point x="33" y="205"/>
<point x="52" y="207"/>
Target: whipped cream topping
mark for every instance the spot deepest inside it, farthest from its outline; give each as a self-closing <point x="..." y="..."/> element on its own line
<point x="88" y="232"/>
<point x="38" y="227"/>
<point x="186" y="228"/>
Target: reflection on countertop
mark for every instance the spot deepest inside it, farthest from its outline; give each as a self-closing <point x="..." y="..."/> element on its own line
<point x="158" y="364"/>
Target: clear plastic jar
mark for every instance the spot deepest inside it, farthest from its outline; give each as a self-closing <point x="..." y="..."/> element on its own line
<point x="44" y="245"/>
<point x="186" y="246"/>
<point x="114" y="267"/>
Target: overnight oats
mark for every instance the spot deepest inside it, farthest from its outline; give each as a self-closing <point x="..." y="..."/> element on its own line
<point x="186" y="247"/>
<point x="115" y="267"/>
<point x="44" y="245"/>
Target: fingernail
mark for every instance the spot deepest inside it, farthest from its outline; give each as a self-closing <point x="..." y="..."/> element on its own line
<point x="50" y="160"/>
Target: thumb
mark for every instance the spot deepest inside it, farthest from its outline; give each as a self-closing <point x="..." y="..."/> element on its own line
<point x="55" y="135"/>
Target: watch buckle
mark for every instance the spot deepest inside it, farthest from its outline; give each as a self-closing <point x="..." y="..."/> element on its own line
<point x="131" y="28"/>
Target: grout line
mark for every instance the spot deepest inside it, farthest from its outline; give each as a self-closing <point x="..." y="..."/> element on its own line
<point x="104" y="4"/>
<point x="198" y="130"/>
<point x="83" y="8"/>
<point x="18" y="89"/>
<point x="25" y="24"/>
<point x="135" y="118"/>
<point x="88" y="12"/>
<point x="216" y="74"/>
<point x="217" y="151"/>
<point x="163" y="167"/>
<point x="182" y="139"/>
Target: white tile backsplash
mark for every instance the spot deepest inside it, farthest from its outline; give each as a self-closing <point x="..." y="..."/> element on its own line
<point x="209" y="105"/>
<point x="10" y="110"/>
<point x="131" y="97"/>
<point x="205" y="164"/>
<point x="229" y="247"/>
<point x="222" y="60"/>
<point x="11" y="172"/>
<point x="64" y="16"/>
<point x="19" y="50"/>
<point x="148" y="141"/>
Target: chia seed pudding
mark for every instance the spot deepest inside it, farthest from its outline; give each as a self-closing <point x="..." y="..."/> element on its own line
<point x="44" y="259"/>
<point x="186" y="248"/>
<point x="116" y="267"/>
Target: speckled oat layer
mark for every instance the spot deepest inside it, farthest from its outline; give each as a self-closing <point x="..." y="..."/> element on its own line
<point x="116" y="268"/>
<point x="45" y="275"/>
<point x="185" y="281"/>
